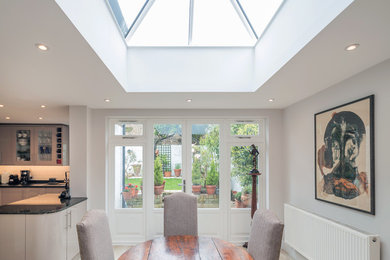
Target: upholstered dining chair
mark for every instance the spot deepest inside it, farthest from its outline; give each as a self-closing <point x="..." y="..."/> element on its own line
<point x="180" y="215"/>
<point x="94" y="236"/>
<point x="266" y="236"/>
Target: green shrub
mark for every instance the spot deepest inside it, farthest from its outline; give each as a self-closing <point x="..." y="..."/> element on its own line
<point x="238" y="196"/>
<point x="177" y="166"/>
<point x="212" y="175"/>
<point x="158" y="172"/>
<point x="196" y="173"/>
<point x="247" y="190"/>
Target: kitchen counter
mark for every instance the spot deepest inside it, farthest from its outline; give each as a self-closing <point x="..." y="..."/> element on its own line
<point x="34" y="184"/>
<point x="41" y="204"/>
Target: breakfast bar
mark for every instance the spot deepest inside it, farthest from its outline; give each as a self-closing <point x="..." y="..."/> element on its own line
<point x="28" y="226"/>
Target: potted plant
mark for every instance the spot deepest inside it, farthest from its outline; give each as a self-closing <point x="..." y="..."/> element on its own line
<point x="237" y="200"/>
<point x="158" y="176"/>
<point x="126" y="193"/>
<point x="196" y="177"/>
<point x="211" y="179"/>
<point x="246" y="197"/>
<point x="166" y="166"/>
<point x="177" y="169"/>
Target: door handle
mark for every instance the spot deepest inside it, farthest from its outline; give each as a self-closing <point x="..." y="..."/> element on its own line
<point x="183" y="184"/>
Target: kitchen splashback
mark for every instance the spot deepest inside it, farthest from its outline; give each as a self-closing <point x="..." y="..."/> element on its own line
<point x="38" y="172"/>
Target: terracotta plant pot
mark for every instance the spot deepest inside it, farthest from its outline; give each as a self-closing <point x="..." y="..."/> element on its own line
<point x="167" y="174"/>
<point x="196" y="189"/>
<point x="126" y="195"/>
<point x="177" y="172"/>
<point x="246" y="200"/>
<point x="210" y="189"/>
<point x="158" y="189"/>
<point x="238" y="204"/>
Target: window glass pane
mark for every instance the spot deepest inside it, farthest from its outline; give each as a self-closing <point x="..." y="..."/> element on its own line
<point x="250" y="129"/>
<point x="44" y="145"/>
<point x="241" y="181"/>
<point x="130" y="10"/>
<point x="216" y="23"/>
<point x="260" y="12"/>
<point x="123" y="128"/>
<point x="205" y="164"/>
<point x="165" y="24"/>
<point x="167" y="156"/>
<point x="128" y="176"/>
<point x="23" y="152"/>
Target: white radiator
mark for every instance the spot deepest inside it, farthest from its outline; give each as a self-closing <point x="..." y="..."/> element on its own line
<point x="319" y="238"/>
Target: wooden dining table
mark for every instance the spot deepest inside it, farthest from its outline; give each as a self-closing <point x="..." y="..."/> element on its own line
<point x="185" y="247"/>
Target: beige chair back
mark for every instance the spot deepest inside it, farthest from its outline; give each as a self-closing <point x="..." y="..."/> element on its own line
<point x="266" y="236"/>
<point x="94" y="236"/>
<point x="180" y="215"/>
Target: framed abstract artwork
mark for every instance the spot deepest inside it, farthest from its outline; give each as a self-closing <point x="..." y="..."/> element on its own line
<point x="344" y="155"/>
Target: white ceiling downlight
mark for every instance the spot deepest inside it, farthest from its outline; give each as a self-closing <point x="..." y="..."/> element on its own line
<point x="193" y="22"/>
<point x="43" y="106"/>
<point x="42" y="47"/>
<point x="107" y="100"/>
<point x="188" y="100"/>
<point x="7" y="118"/>
<point x="1" y="105"/>
<point x="352" y="47"/>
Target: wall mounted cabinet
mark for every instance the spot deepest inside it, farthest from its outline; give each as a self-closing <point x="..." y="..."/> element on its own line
<point x="34" y="144"/>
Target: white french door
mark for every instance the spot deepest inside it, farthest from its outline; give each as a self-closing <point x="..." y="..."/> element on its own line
<point x="212" y="156"/>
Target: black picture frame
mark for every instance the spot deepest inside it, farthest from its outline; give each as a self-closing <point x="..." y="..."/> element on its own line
<point x="339" y="143"/>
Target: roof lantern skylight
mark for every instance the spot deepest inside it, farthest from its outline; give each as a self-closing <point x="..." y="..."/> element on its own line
<point x="193" y="22"/>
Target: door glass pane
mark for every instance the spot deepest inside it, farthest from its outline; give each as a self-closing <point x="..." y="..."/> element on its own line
<point x="128" y="176"/>
<point x="167" y="161"/>
<point x="23" y="139"/>
<point x="241" y="181"/>
<point x="244" y="129"/>
<point x="44" y="145"/>
<point x="129" y="129"/>
<point x="205" y="164"/>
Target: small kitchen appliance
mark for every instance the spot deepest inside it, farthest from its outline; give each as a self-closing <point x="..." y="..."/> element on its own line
<point x="13" y="179"/>
<point x="25" y="177"/>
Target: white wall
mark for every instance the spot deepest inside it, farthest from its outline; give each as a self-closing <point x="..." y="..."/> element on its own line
<point x="78" y="154"/>
<point x="97" y="166"/>
<point x="298" y="125"/>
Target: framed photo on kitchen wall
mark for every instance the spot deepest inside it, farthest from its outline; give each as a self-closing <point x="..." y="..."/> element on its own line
<point x="344" y="155"/>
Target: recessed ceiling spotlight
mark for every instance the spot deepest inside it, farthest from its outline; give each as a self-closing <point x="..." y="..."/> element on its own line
<point x="189" y="100"/>
<point x="7" y="117"/>
<point x="352" y="47"/>
<point x="271" y="100"/>
<point x="107" y="100"/>
<point x="42" y="47"/>
<point x="1" y="105"/>
<point x="40" y="118"/>
<point x="43" y="106"/>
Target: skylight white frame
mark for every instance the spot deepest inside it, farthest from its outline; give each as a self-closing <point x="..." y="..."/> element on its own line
<point x="235" y="3"/>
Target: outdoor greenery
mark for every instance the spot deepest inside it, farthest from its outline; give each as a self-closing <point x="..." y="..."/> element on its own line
<point x="170" y="183"/>
<point x="158" y="172"/>
<point x="177" y="166"/>
<point x="196" y="173"/>
<point x="238" y="196"/>
<point x="212" y="175"/>
<point x="206" y="155"/>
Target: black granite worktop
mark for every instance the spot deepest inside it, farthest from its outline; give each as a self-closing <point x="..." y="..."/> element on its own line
<point x="35" y="184"/>
<point x="41" y="209"/>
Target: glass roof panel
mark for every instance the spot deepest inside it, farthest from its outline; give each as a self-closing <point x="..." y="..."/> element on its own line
<point x="260" y="12"/>
<point x="216" y="23"/>
<point x="130" y="10"/>
<point x="165" y="24"/>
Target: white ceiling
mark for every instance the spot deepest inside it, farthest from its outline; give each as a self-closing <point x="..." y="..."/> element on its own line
<point x="72" y="74"/>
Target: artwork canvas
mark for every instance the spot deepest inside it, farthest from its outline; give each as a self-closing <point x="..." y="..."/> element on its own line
<point x="344" y="155"/>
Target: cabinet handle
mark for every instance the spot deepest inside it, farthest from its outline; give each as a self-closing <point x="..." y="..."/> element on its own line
<point x="70" y="219"/>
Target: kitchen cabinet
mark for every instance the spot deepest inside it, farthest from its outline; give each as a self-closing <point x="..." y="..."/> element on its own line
<point x="34" y="144"/>
<point x="44" y="236"/>
<point x="57" y="230"/>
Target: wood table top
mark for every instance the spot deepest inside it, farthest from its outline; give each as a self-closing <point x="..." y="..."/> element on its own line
<point x="185" y="247"/>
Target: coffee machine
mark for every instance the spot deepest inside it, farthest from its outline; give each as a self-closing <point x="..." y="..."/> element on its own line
<point x="25" y="177"/>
